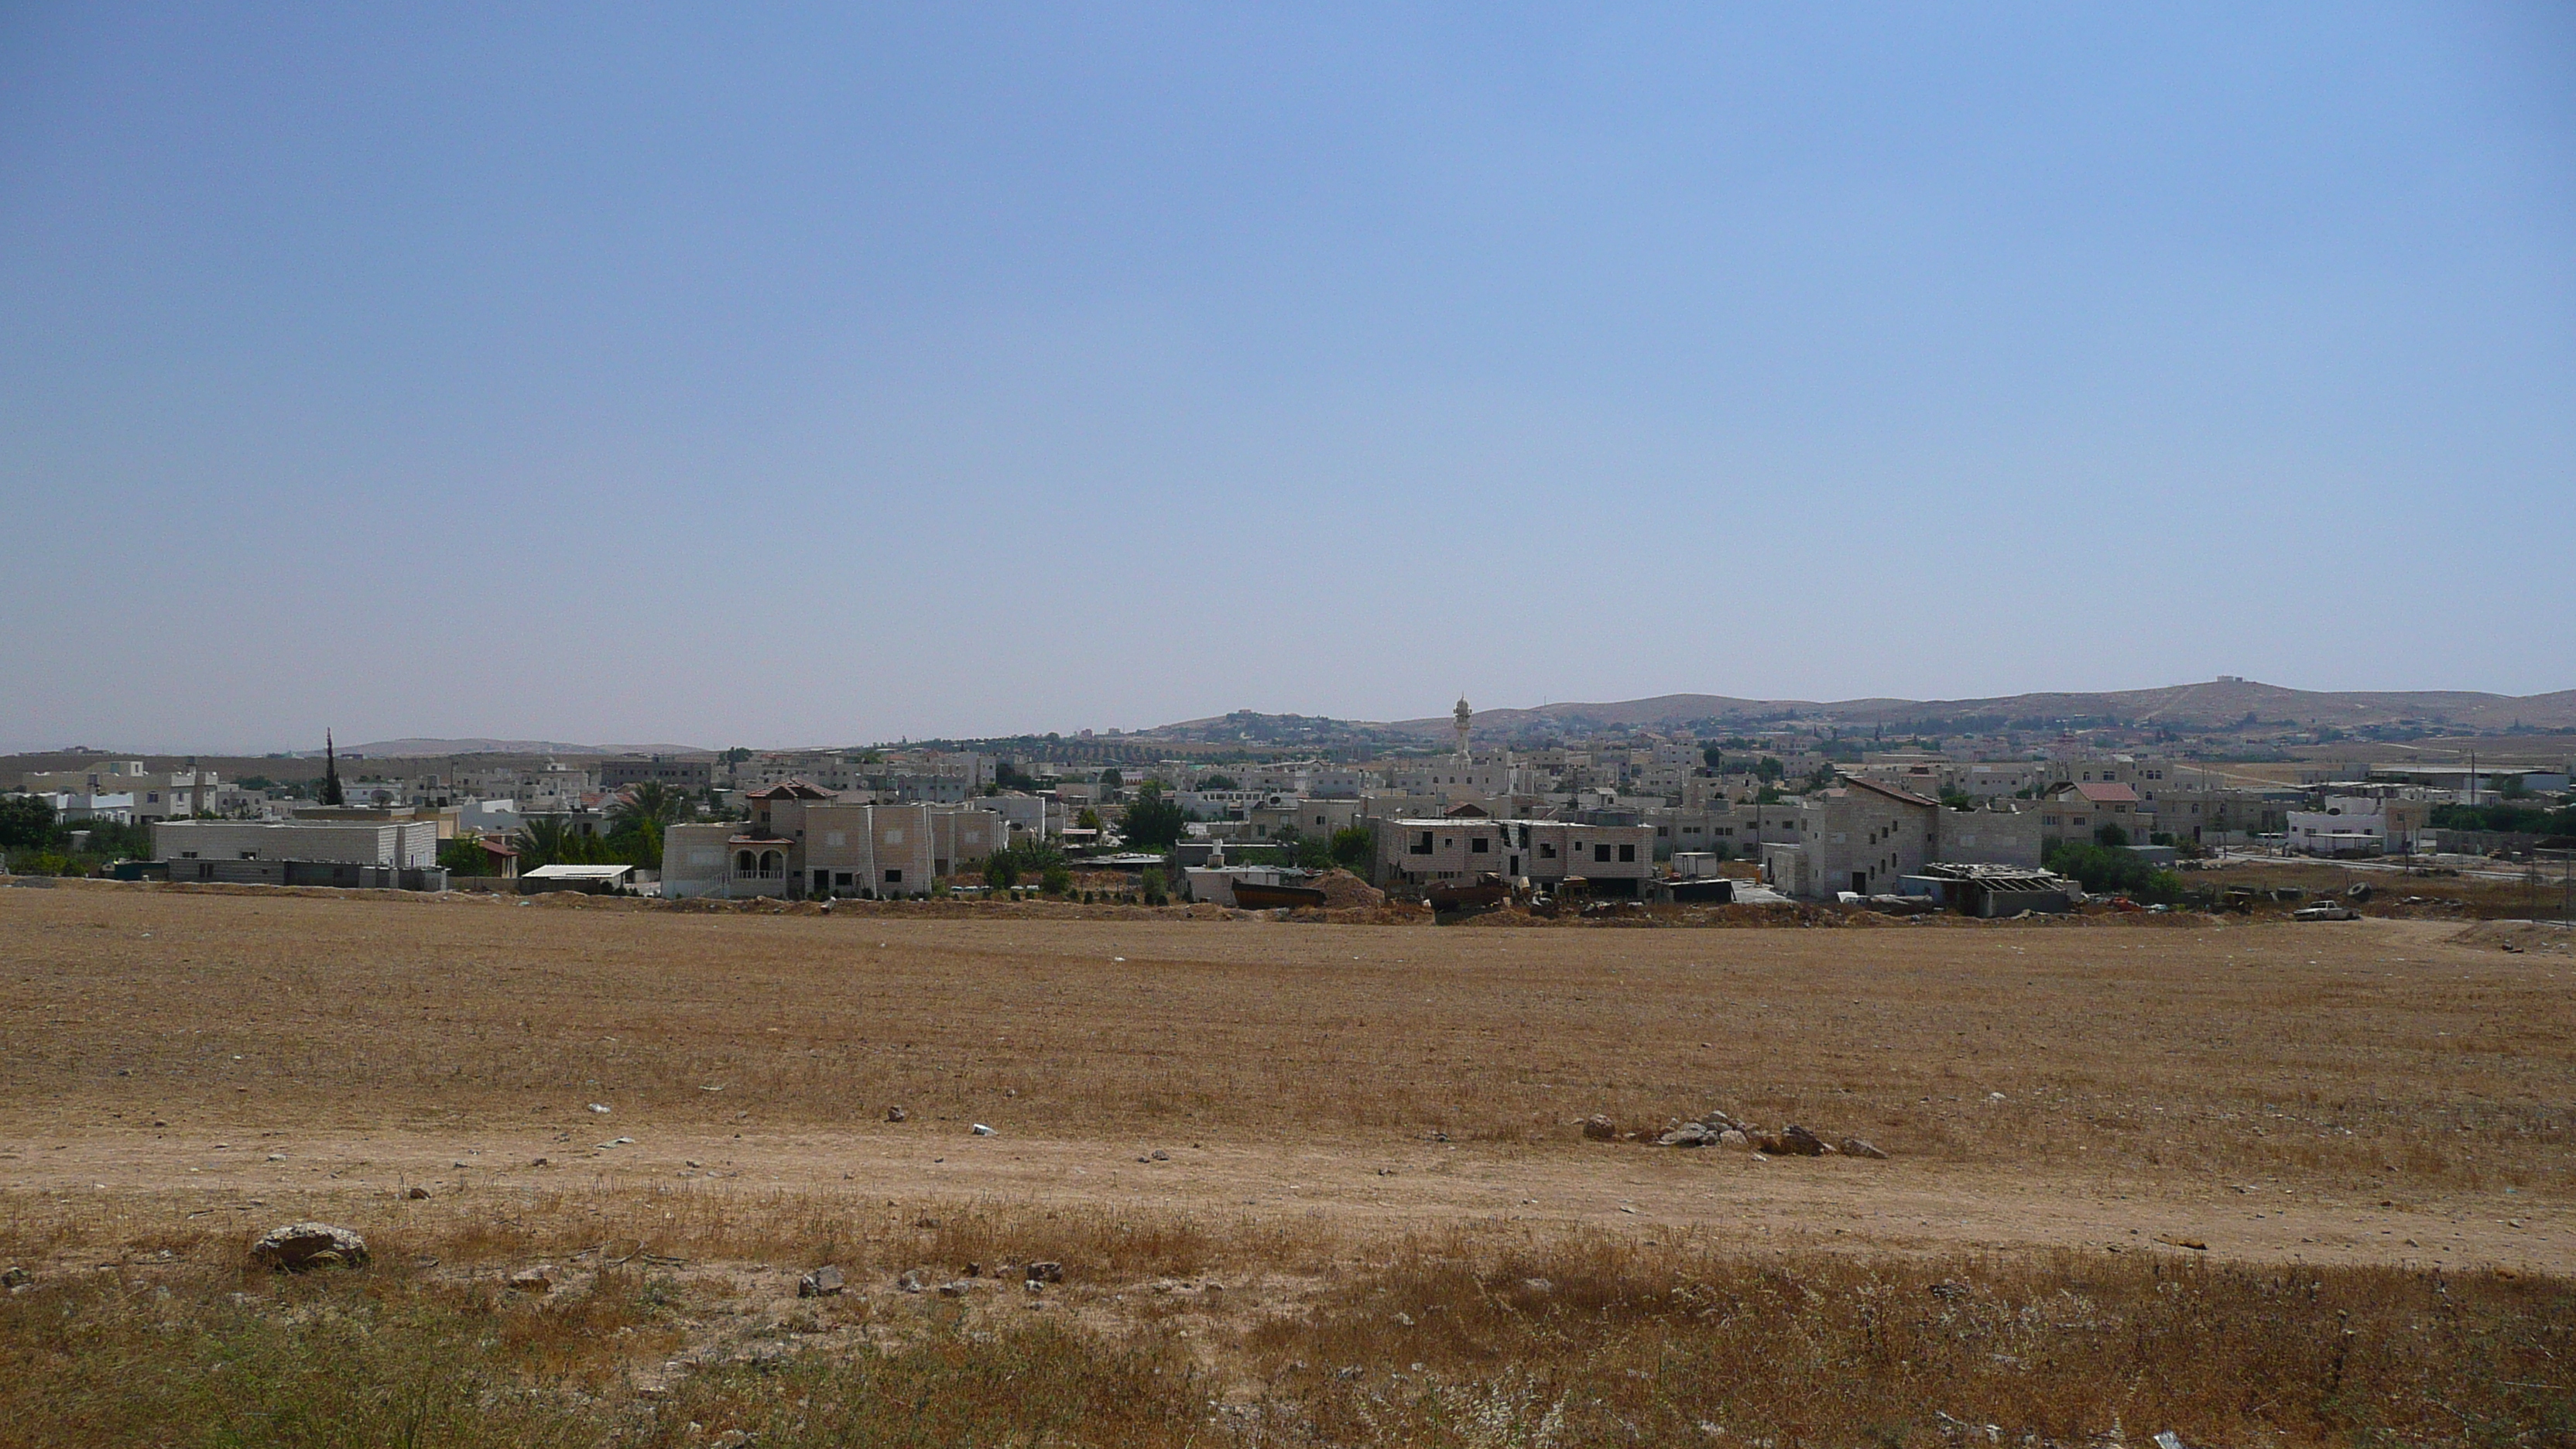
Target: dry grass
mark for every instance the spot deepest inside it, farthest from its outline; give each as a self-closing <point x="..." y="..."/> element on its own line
<point x="2381" y="1061"/>
<point x="2363" y="1055"/>
<point x="1461" y="1338"/>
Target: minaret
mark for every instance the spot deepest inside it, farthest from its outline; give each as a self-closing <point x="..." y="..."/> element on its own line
<point x="1463" y="714"/>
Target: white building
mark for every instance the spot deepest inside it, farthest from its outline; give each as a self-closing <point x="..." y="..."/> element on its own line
<point x="2351" y="825"/>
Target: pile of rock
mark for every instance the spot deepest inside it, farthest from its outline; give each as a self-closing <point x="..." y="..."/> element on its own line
<point x="1720" y="1129"/>
<point x="1345" y="891"/>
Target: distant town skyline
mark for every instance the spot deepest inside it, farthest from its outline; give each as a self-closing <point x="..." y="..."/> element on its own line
<point x="865" y="373"/>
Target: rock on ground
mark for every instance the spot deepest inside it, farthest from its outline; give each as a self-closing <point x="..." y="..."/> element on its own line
<point x="1799" y="1142"/>
<point x="823" y="1282"/>
<point x="1600" y="1129"/>
<point x="300" y="1247"/>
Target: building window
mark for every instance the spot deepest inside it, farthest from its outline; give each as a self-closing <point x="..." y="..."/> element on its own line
<point x="894" y="877"/>
<point x="1480" y="846"/>
<point x="1628" y="853"/>
<point x="1601" y="853"/>
<point x="1422" y="843"/>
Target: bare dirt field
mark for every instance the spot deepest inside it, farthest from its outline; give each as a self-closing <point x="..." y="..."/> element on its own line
<point x="1243" y="1136"/>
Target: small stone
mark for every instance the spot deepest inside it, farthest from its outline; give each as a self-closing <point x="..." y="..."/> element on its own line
<point x="909" y="1280"/>
<point x="1537" y="1285"/>
<point x="897" y="1114"/>
<point x="1797" y="1141"/>
<point x="538" y="1162"/>
<point x="277" y="1157"/>
<point x="532" y="1280"/>
<point x="1600" y="1129"/>
<point x="954" y="1288"/>
<point x="1047" y="1271"/>
<point x="1689" y="1134"/>
<point x="16" y="1277"/>
<point x="1161" y="1156"/>
<point x="1734" y="1137"/>
<point x="1862" y="1147"/>
<point x="823" y="1282"/>
<point x="980" y="1130"/>
<point x="418" y="1194"/>
<point x="599" y="1107"/>
<point x="299" y="1247"/>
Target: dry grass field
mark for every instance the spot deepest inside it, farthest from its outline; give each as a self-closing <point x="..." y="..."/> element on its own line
<point x="1311" y="1184"/>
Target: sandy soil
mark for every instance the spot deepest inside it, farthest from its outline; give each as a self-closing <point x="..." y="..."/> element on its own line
<point x="2373" y="1092"/>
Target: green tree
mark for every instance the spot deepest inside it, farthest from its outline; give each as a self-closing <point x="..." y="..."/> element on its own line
<point x="1355" y="849"/>
<point x="548" y="840"/>
<point x="1153" y="823"/>
<point x="649" y="803"/>
<point x="1088" y="819"/>
<point x="2111" y="837"/>
<point x="2112" y="869"/>
<point x="1055" y="880"/>
<point x="1219" y="782"/>
<point x="464" y="857"/>
<point x="26" y="822"/>
<point x="1110" y="779"/>
<point x="1770" y="770"/>
<point x="1157" y="892"/>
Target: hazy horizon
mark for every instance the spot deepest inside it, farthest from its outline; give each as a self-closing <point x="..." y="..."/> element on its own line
<point x="1428" y="713"/>
<point x="621" y="374"/>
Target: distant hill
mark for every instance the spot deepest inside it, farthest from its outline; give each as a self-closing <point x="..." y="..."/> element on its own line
<point x="395" y="749"/>
<point x="2211" y="705"/>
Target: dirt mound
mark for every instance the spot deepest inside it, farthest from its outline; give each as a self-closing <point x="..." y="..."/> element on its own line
<point x="1506" y="916"/>
<point x="1344" y="891"/>
<point x="2518" y="936"/>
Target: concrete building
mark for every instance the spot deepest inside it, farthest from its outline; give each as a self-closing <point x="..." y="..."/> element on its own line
<point x="1859" y="838"/>
<point x="804" y="841"/>
<point x="692" y="776"/>
<point x="1309" y="819"/>
<point x="154" y="794"/>
<point x="394" y="853"/>
<point x="1615" y="860"/>
<point x="2351" y="825"/>
<point x="2077" y="811"/>
<point x="1863" y="836"/>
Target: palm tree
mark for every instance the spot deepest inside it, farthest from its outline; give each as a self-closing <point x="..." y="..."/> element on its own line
<point x="546" y="840"/>
<point x="650" y="803"/>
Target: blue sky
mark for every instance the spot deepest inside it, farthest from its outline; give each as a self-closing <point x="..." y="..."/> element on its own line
<point x="645" y="373"/>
